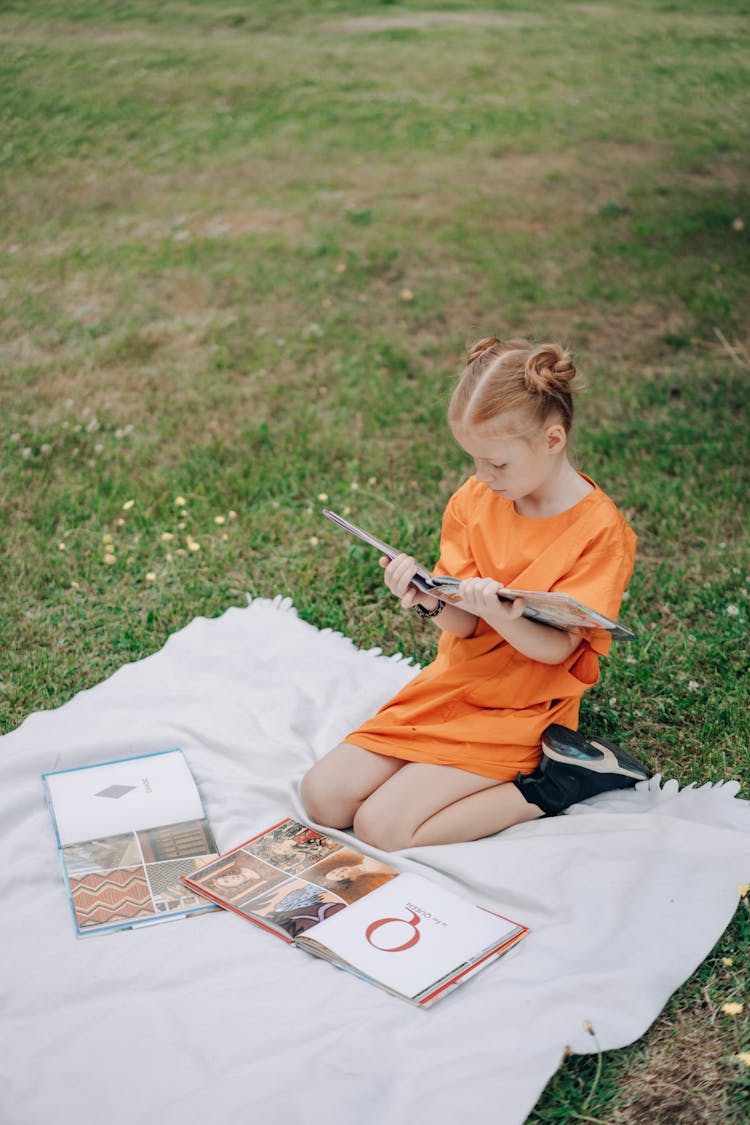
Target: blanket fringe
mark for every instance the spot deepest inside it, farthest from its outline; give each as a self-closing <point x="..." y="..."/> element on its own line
<point x="285" y="604"/>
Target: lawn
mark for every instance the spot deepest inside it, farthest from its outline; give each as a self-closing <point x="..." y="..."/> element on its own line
<point x="243" y="248"/>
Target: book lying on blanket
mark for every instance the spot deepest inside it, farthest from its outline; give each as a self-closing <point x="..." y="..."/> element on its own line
<point x="401" y="932"/>
<point x="126" y="831"/>
<point x="557" y="610"/>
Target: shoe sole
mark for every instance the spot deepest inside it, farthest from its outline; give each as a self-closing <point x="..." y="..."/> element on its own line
<point x="612" y="759"/>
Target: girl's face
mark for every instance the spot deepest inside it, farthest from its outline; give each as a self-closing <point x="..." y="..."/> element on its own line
<point x="515" y="467"/>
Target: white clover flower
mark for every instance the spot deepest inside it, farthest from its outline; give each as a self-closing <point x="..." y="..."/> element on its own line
<point x="733" y="611"/>
<point x="693" y="685"/>
<point x="732" y="1008"/>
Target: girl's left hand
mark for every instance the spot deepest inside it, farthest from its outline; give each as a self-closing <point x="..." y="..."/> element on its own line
<point x="479" y="596"/>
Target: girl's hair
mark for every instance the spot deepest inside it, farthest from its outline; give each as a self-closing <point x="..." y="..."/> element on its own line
<point x="514" y="376"/>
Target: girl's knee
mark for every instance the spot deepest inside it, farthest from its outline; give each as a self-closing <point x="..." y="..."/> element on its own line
<point x="371" y="828"/>
<point x="322" y="803"/>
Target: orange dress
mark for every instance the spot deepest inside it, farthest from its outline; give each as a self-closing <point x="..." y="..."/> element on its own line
<point x="481" y="705"/>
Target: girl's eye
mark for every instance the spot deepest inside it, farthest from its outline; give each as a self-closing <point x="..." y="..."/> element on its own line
<point x="498" y="467"/>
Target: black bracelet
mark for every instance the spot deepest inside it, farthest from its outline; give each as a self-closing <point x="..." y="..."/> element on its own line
<point x="422" y="612"/>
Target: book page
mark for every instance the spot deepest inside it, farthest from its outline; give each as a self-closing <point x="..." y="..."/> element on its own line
<point x="116" y="797"/>
<point x="128" y="831"/>
<point x="411" y="933"/>
<point x="290" y="878"/>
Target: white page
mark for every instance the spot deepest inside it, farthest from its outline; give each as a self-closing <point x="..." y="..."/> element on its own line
<point x="450" y="931"/>
<point x="136" y="793"/>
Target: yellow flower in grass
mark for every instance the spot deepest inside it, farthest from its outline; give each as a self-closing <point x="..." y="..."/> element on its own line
<point x="192" y="544"/>
<point x="743" y="1057"/>
<point x="128" y="505"/>
<point x="166" y="536"/>
<point x="109" y="558"/>
<point x="180" y="501"/>
<point x="732" y="1008"/>
<point x="150" y="577"/>
<point x="220" y="520"/>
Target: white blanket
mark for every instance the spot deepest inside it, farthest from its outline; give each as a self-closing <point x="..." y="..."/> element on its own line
<point x="211" y="1018"/>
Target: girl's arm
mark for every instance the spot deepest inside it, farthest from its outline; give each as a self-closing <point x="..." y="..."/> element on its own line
<point x="538" y="642"/>
<point x="398" y="575"/>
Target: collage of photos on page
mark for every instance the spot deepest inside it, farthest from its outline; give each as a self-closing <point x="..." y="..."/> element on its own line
<point x="290" y="878"/>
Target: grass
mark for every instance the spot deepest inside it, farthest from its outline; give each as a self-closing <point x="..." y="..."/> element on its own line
<point x="242" y="249"/>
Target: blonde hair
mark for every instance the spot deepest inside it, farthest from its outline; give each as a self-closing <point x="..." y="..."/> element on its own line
<point x="514" y="377"/>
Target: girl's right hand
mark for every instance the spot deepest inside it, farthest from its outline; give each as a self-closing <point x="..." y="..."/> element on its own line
<point x="398" y="575"/>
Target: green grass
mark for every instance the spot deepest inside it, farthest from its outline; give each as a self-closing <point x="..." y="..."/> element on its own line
<point x="242" y="249"/>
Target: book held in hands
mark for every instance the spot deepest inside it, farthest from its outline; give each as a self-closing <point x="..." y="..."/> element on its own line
<point x="402" y="932"/>
<point x="126" y="831"/>
<point x="560" y="611"/>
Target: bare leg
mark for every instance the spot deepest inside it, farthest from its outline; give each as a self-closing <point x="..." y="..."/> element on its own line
<point x="426" y="804"/>
<point x="336" y="786"/>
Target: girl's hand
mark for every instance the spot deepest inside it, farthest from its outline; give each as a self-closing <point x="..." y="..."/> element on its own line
<point x="479" y="596"/>
<point x="398" y="575"/>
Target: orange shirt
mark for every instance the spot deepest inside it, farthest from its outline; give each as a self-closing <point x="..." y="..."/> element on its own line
<point x="481" y="705"/>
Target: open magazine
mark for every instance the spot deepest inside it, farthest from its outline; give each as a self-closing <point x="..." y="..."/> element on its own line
<point x="401" y="932"/>
<point x="560" y="611"/>
<point x="126" y="831"/>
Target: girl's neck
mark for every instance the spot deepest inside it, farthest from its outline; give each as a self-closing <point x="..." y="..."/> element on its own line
<point x="562" y="490"/>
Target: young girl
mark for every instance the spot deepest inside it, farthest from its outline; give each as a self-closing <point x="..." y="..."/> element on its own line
<point x="455" y="755"/>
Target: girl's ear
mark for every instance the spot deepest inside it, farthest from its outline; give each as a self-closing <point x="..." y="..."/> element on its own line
<point x="555" y="438"/>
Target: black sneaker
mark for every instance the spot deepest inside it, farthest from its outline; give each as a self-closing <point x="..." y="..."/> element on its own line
<point x="573" y="769"/>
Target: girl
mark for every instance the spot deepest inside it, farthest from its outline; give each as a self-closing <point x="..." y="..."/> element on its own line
<point x="455" y="755"/>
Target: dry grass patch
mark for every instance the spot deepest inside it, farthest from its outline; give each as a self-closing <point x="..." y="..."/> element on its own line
<point x="682" y="1078"/>
<point x="432" y="21"/>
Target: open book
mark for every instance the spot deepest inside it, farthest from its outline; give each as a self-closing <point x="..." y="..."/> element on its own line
<point x="126" y="831"/>
<point x="560" y="611"/>
<point x="401" y="932"/>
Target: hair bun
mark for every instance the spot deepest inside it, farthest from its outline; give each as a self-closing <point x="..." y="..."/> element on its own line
<point x="481" y="347"/>
<point x="549" y="370"/>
